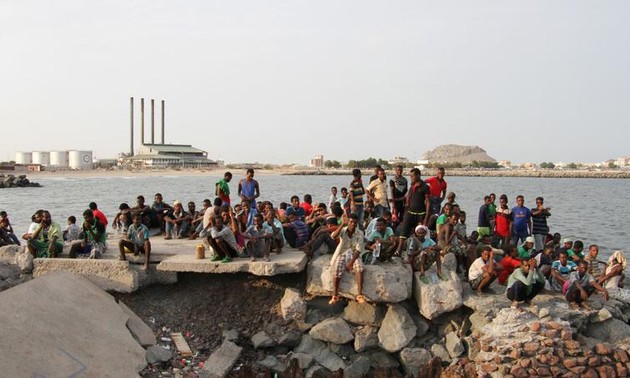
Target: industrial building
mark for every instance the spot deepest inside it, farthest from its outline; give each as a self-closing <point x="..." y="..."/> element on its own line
<point x="40" y="160"/>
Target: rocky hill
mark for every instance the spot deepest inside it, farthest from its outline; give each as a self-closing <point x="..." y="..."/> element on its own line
<point x="453" y="153"/>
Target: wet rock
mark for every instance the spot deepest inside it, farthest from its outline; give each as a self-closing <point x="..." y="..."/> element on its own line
<point x="437" y="297"/>
<point x="333" y="330"/>
<point x="415" y="359"/>
<point x="365" y="338"/>
<point x="292" y="305"/>
<point x="157" y="353"/>
<point x="397" y="329"/>
<point x="362" y="313"/>
<point x="454" y="345"/>
<point x="262" y="340"/>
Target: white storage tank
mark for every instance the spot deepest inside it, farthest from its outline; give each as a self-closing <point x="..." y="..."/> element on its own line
<point x="81" y="160"/>
<point x="23" y="158"/>
<point x="41" y="157"/>
<point x="59" y="159"/>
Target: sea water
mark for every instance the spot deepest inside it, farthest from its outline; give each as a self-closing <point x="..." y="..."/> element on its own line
<point x="592" y="210"/>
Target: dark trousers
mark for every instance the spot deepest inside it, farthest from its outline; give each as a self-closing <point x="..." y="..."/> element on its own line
<point x="324" y="238"/>
<point x="573" y="294"/>
<point x="518" y="291"/>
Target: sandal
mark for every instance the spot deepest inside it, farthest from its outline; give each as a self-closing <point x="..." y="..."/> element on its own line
<point x="361" y="299"/>
<point x="424" y="279"/>
<point x="442" y="277"/>
<point x="334" y="299"/>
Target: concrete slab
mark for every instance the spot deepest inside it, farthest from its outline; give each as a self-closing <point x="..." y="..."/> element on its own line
<point x="139" y="329"/>
<point x="221" y="360"/>
<point x="62" y="325"/>
<point x="289" y="261"/>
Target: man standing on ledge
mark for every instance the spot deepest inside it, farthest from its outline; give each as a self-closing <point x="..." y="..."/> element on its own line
<point x="437" y="188"/>
<point x="222" y="189"/>
<point x="356" y="195"/>
<point x="416" y="208"/>
<point x="248" y="189"/>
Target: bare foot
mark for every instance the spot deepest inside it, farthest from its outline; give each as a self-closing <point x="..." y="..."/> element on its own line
<point x="145" y="267"/>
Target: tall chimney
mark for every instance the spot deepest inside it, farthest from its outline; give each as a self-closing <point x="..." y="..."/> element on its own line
<point x="152" y="121"/>
<point x="142" y="120"/>
<point x="162" y="121"/>
<point x="131" y="121"/>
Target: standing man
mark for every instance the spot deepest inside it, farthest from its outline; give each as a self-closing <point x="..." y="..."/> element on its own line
<point x="377" y="192"/>
<point x="521" y="222"/>
<point x="356" y="193"/>
<point x="503" y="221"/>
<point x="222" y="188"/>
<point x="483" y="222"/>
<point x="333" y="197"/>
<point x="398" y="187"/>
<point x="248" y="189"/>
<point x="539" y="223"/>
<point x="437" y="187"/>
<point x="416" y="207"/>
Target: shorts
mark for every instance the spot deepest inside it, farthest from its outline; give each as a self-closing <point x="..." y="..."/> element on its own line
<point x="409" y="223"/>
<point x="474" y="284"/>
<point x="342" y="260"/>
<point x="41" y="247"/>
<point x="431" y="255"/>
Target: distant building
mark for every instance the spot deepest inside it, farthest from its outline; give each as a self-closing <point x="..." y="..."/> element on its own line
<point x="528" y="165"/>
<point x="506" y="163"/>
<point x="171" y="155"/>
<point x="398" y="160"/>
<point x="317" y="161"/>
<point x="621" y="162"/>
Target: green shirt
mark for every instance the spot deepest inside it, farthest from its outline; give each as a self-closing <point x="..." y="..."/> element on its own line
<point x="529" y="280"/>
<point x="571" y="253"/>
<point x="523" y="254"/>
<point x="492" y="209"/>
<point x="385" y="236"/>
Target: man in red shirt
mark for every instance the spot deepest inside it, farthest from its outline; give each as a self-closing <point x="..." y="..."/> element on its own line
<point x="437" y="190"/>
<point x="509" y="263"/>
<point x="98" y="214"/>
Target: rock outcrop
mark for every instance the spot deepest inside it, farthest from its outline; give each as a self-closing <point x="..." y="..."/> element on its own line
<point x="453" y="153"/>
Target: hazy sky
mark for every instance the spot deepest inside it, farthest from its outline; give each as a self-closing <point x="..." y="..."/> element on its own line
<point x="282" y="81"/>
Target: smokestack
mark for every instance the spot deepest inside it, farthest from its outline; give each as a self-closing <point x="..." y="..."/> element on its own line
<point x="162" y="121"/>
<point x="131" y="119"/>
<point x="152" y="121"/>
<point x="142" y="120"/>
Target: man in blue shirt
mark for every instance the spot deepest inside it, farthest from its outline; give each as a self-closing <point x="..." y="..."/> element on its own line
<point x="521" y="222"/>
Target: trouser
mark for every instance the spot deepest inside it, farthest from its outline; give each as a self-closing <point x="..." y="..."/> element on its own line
<point x="175" y="230"/>
<point x="436" y="204"/>
<point x="409" y="223"/>
<point x="323" y="238"/>
<point x="539" y="240"/>
<point x="359" y="213"/>
<point x="518" y="291"/>
<point x="573" y="294"/>
<point x="518" y="237"/>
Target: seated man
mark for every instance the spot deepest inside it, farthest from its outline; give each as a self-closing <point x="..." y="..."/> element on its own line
<point x="122" y="220"/>
<point x="382" y="242"/>
<point x="177" y="222"/>
<point x="98" y="214"/>
<point x="198" y="219"/>
<point x="259" y="238"/>
<point x="594" y="264"/>
<point x="545" y="261"/>
<point x="295" y="231"/>
<point x="422" y="253"/>
<point x="47" y="239"/>
<point x="526" y="249"/>
<point x="72" y="231"/>
<point x="322" y="236"/>
<point x="447" y="238"/>
<point x="6" y="230"/>
<point x="296" y="209"/>
<point x="143" y="210"/>
<point x="136" y="240"/>
<point x="509" y="263"/>
<point x="387" y="217"/>
<point x="222" y="240"/>
<point x="525" y="283"/>
<point x="277" y="240"/>
<point x="347" y="257"/>
<point x="580" y="286"/>
<point x="483" y="271"/>
<point x="575" y="254"/>
<point x="560" y="270"/>
<point x="613" y="276"/>
<point x="159" y="209"/>
<point x="94" y="238"/>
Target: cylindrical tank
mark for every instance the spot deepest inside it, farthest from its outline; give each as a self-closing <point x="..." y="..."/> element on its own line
<point x="23" y="158"/>
<point x="59" y="159"/>
<point x="41" y="157"/>
<point x="81" y="160"/>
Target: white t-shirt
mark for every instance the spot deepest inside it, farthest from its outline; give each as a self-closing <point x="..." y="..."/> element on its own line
<point x="476" y="269"/>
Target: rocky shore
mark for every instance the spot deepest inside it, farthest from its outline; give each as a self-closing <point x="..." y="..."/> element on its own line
<point x="11" y="181"/>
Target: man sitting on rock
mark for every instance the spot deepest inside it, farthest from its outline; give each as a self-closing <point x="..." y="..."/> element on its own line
<point x="94" y="240"/>
<point x="575" y="253"/>
<point x="560" y="270"/>
<point x="222" y="240"/>
<point x="526" y="249"/>
<point x="581" y="285"/>
<point x="510" y="263"/>
<point x="136" y="240"/>
<point x="347" y="257"/>
<point x="177" y="222"/>
<point x="483" y="271"/>
<point x="47" y="239"/>
<point x="422" y="253"/>
<point x="259" y="239"/>
<point x="525" y="283"/>
<point x="382" y="241"/>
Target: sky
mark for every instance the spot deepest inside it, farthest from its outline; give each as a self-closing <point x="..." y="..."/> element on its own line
<point x="282" y="81"/>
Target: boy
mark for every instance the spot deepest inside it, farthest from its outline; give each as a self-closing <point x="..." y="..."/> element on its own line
<point x="347" y="257"/>
<point x="136" y="239"/>
<point x="581" y="286"/>
<point x="483" y="271"/>
<point x="525" y="283"/>
<point x="72" y="232"/>
<point x="422" y="253"/>
<point x="259" y="239"/>
<point x="333" y="197"/>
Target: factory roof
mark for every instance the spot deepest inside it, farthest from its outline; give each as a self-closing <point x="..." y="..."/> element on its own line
<point x="174" y="148"/>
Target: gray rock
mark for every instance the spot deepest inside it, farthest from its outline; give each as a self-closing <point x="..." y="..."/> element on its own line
<point x="601" y="315"/>
<point x="414" y="359"/>
<point x="292" y="305"/>
<point x="345" y="351"/>
<point x="316" y="371"/>
<point x="157" y="353"/>
<point x="437" y="297"/>
<point x="24" y="261"/>
<point x="290" y="339"/>
<point x="358" y="368"/>
<point x="333" y="330"/>
<point x="381" y="359"/>
<point x="362" y="313"/>
<point x="478" y="321"/>
<point x="9" y="271"/>
<point x="543" y="313"/>
<point x="320" y="352"/>
<point x="422" y="326"/>
<point x="139" y="329"/>
<point x="612" y="331"/>
<point x="439" y="350"/>
<point x="304" y="360"/>
<point x="221" y="360"/>
<point x="262" y="340"/>
<point x="365" y="338"/>
<point x="230" y="335"/>
<point x="454" y="345"/>
<point x="9" y="252"/>
<point x="471" y="346"/>
<point x="272" y="363"/>
<point x="397" y="329"/>
<point x="387" y="282"/>
<point x="449" y="262"/>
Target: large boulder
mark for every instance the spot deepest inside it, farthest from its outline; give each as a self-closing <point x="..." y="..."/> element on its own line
<point x="9" y="252"/>
<point x="363" y="313"/>
<point x="386" y="282"/>
<point x="414" y="359"/>
<point x="365" y="338"/>
<point x="139" y="329"/>
<point x="612" y="331"/>
<point x="332" y="330"/>
<point x="320" y="352"/>
<point x="437" y="297"/>
<point x="292" y="305"/>
<point x="397" y="329"/>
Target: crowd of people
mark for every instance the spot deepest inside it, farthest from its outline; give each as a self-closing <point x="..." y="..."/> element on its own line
<point x="415" y="220"/>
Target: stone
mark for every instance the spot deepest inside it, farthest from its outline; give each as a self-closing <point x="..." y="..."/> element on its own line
<point x="397" y="329"/>
<point x="358" y="368"/>
<point x="389" y="282"/>
<point x="535" y="327"/>
<point x="603" y="349"/>
<point x="478" y="320"/>
<point x="273" y="364"/>
<point x="8" y="253"/>
<point x="320" y="352"/>
<point x="362" y="313"/>
<point x="437" y="297"/>
<point x="290" y="339"/>
<point x="230" y="335"/>
<point x="316" y="371"/>
<point x="454" y="345"/>
<point x="449" y="262"/>
<point x="332" y="330"/>
<point x="621" y="356"/>
<point x="157" y="353"/>
<point x="543" y="313"/>
<point x="606" y="371"/>
<point x="139" y="329"/>
<point x="601" y="316"/>
<point x="345" y="351"/>
<point x="422" y="325"/>
<point x="304" y="360"/>
<point x="221" y="360"/>
<point x="622" y="371"/>
<point x="289" y="261"/>
<point x="414" y="359"/>
<point x="365" y="338"/>
<point x="518" y="371"/>
<point x="24" y="261"/>
<point x="74" y="328"/>
<point x="384" y="360"/>
<point x="292" y="305"/>
<point x="531" y="347"/>
<point x="569" y="363"/>
<point x="440" y="351"/>
<point x="262" y="340"/>
<point x="111" y="275"/>
<point x="612" y="331"/>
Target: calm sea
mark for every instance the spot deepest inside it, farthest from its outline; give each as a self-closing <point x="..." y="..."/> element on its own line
<point x="588" y="209"/>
